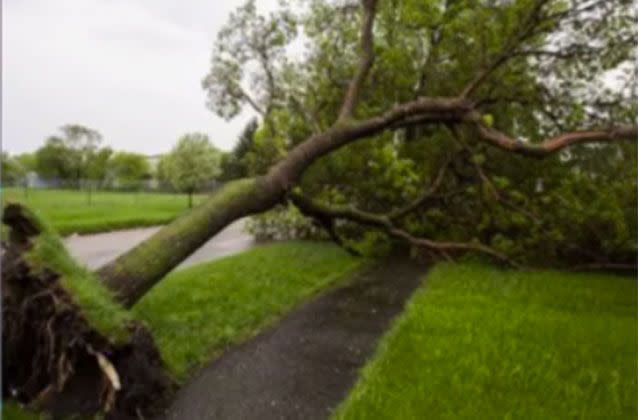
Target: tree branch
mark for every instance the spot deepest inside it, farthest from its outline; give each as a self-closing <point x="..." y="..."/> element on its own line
<point x="310" y="118"/>
<point x="423" y="198"/>
<point x="506" y="53"/>
<point x="433" y="110"/>
<point x="365" y="61"/>
<point x="251" y="101"/>
<point x="553" y="144"/>
<point x="495" y="193"/>
<point x="328" y="224"/>
<point x="383" y="222"/>
<point x="483" y="75"/>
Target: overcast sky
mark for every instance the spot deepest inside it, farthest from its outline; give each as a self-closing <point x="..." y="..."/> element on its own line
<point x="131" y="69"/>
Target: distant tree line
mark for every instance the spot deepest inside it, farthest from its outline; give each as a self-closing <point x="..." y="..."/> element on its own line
<point x="76" y="158"/>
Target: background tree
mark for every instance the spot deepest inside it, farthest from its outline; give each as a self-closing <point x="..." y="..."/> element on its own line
<point x="27" y="161"/>
<point x="192" y="163"/>
<point x="160" y="170"/>
<point x="98" y="165"/>
<point x="127" y="168"/>
<point x="11" y="171"/>
<point x="83" y="145"/>
<point x="233" y="163"/>
<point x="53" y="159"/>
<point x="75" y="156"/>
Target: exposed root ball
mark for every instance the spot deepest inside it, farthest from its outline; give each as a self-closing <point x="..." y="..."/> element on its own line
<point x="53" y="359"/>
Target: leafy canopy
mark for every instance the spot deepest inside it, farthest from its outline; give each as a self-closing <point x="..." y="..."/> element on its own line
<point x="74" y="155"/>
<point x="192" y="163"/>
<point x="129" y="167"/>
<point x="534" y="69"/>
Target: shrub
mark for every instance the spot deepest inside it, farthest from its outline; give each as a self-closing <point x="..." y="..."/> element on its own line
<point x="283" y="223"/>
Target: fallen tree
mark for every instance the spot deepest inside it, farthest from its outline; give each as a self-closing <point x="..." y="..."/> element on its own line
<point x="131" y="275"/>
<point x="59" y="338"/>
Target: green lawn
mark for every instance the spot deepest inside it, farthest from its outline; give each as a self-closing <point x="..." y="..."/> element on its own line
<point x="195" y="313"/>
<point x="69" y="211"/>
<point x="476" y="342"/>
<point x="13" y="411"/>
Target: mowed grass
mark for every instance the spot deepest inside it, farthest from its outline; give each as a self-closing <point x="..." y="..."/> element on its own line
<point x="69" y="211"/>
<point x="476" y="342"/>
<point x="13" y="411"/>
<point x="197" y="312"/>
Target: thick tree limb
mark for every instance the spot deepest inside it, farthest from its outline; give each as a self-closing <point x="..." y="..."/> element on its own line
<point x="431" y="109"/>
<point x="287" y="172"/>
<point x="132" y="274"/>
<point x="365" y="60"/>
<point x="553" y="144"/>
<point x="383" y="222"/>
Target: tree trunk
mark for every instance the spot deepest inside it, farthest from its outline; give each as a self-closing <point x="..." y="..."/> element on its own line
<point x="131" y="275"/>
<point x="190" y="199"/>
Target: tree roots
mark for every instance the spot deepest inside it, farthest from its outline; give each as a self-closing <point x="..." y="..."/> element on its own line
<point x="54" y="360"/>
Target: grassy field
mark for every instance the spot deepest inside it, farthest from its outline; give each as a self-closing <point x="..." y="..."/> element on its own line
<point x="476" y="342"/>
<point x="12" y="411"/>
<point x="195" y="313"/>
<point x="69" y="211"/>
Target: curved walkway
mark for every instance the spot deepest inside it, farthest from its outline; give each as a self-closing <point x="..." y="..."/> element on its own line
<point x="305" y="365"/>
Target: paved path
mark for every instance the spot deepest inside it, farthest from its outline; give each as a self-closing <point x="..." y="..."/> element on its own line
<point x="96" y="250"/>
<point x="304" y="366"/>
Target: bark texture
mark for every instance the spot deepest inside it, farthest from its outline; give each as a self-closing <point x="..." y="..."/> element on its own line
<point x="131" y="275"/>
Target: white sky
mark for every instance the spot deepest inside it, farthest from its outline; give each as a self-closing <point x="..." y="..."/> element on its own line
<point x="131" y="69"/>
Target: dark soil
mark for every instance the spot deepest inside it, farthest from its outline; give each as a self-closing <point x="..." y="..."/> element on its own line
<point x="50" y="351"/>
<point x="305" y="366"/>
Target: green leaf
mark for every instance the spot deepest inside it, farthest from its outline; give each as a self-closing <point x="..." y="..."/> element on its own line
<point x="478" y="159"/>
<point x="488" y="120"/>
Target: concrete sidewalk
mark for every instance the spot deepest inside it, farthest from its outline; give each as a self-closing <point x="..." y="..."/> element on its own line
<point x="304" y="366"/>
<point x="98" y="249"/>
